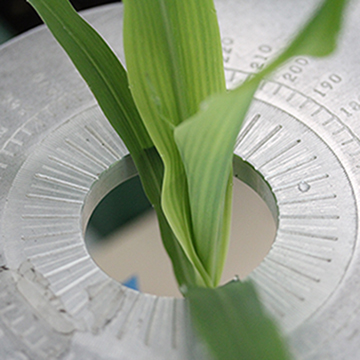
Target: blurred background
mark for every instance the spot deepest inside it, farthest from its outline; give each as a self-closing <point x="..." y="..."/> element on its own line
<point x="17" y="16"/>
<point x="122" y="235"/>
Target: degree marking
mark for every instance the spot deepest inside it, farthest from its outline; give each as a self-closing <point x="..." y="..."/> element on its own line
<point x="293" y="269"/>
<point x="339" y="131"/>
<point x="173" y="325"/>
<point x="307" y="101"/>
<point x="277" y="89"/>
<point x="301" y="216"/>
<point x="66" y="175"/>
<point x="100" y="140"/>
<point x="49" y="216"/>
<point x="53" y="190"/>
<point x="66" y="266"/>
<point x="311" y="199"/>
<point x="7" y="153"/>
<point x="85" y="153"/>
<point x="281" y="285"/>
<point x="274" y="301"/>
<point x="317" y="111"/>
<point x="347" y="142"/>
<point x="61" y="182"/>
<point x="47" y="235"/>
<point x="29" y="331"/>
<point x="290" y="249"/>
<point x="76" y="282"/>
<point x="128" y="316"/>
<point x="44" y="225"/>
<point x="296" y="182"/>
<point x="55" y="251"/>
<point x="328" y="121"/>
<point x="281" y="152"/>
<point x="150" y="324"/>
<point x="17" y="321"/>
<point x="262" y="142"/>
<point x="46" y="262"/>
<point x="247" y="129"/>
<point x="291" y="168"/>
<point x="53" y="198"/>
<point x="290" y="97"/>
<point x="73" y="167"/>
<point x="16" y="142"/>
<point x="310" y="235"/>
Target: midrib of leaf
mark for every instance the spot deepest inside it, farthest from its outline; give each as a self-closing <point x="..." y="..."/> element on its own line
<point x="178" y="84"/>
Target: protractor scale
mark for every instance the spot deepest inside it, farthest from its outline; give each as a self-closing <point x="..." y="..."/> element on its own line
<point x="59" y="158"/>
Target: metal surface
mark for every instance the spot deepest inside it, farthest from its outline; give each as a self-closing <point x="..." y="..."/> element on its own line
<point x="56" y="152"/>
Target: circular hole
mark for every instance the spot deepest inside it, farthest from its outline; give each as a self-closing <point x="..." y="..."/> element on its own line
<point x="123" y="238"/>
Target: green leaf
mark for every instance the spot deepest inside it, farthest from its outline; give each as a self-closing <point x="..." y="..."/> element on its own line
<point x="174" y="61"/>
<point x="108" y="81"/>
<point x="318" y="37"/>
<point x="234" y="323"/>
<point x="173" y="56"/>
<point x="104" y="74"/>
<point x="206" y="140"/>
<point x="207" y="156"/>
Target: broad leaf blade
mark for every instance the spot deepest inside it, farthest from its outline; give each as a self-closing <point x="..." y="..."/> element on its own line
<point x="206" y="140"/>
<point x="173" y="55"/>
<point x="99" y="66"/>
<point x="171" y="70"/>
<point x="108" y="81"/>
<point x="106" y="78"/>
<point x="207" y="156"/>
<point x="234" y="323"/>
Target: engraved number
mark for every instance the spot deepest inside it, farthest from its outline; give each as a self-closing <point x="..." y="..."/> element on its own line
<point x="295" y="69"/>
<point x="325" y="86"/>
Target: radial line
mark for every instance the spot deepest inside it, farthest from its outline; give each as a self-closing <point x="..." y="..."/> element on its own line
<point x="307" y="200"/>
<point x="64" y="173"/>
<point x="73" y="167"/>
<point x="47" y="235"/>
<point x="173" y="325"/>
<point x="76" y="282"/>
<point x="61" y="182"/>
<point x="127" y="319"/>
<point x="274" y="280"/>
<point x="315" y="236"/>
<point x="260" y="144"/>
<point x="291" y="168"/>
<point x="149" y="329"/>
<point x="53" y="198"/>
<point x="101" y="141"/>
<point x="49" y="216"/>
<point x="247" y="129"/>
<point x="56" y="251"/>
<point x="281" y="246"/>
<point x="316" y="217"/>
<point x="296" y="271"/>
<point x="66" y="266"/>
<point x="86" y="153"/>
<point x="296" y="182"/>
<point x="281" y="152"/>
